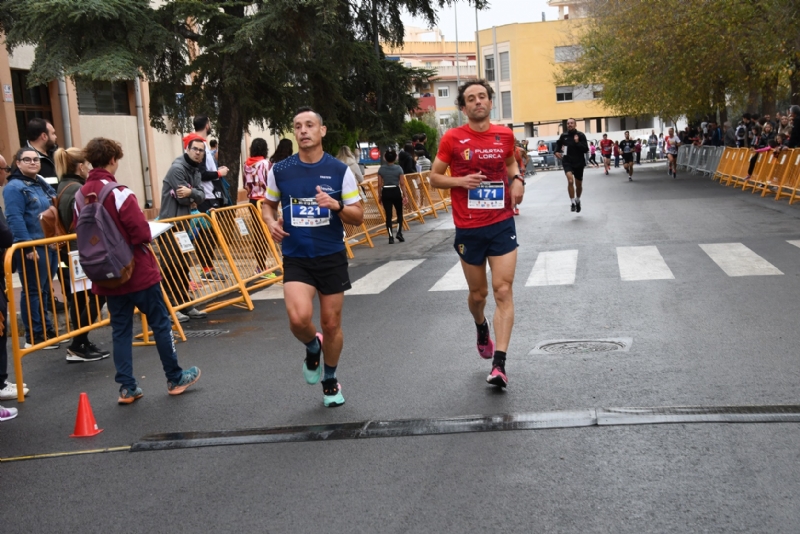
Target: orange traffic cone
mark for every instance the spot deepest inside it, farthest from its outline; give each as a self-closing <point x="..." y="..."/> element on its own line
<point x="85" y="425"/>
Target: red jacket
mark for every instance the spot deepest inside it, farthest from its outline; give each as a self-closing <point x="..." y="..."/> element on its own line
<point x="124" y="209"/>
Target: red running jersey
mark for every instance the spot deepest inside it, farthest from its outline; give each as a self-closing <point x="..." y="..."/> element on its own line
<point x="470" y="152"/>
<point x="605" y="146"/>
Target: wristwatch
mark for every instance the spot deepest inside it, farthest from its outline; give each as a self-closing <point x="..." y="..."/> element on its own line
<point x="520" y="178"/>
<point x="341" y="207"/>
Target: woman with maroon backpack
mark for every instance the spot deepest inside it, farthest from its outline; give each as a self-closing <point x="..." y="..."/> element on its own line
<point x="138" y="283"/>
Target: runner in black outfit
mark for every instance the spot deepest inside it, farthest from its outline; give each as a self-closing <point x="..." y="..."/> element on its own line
<point x="574" y="161"/>
<point x="628" y="147"/>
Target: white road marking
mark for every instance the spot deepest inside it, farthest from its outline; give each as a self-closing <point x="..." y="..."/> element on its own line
<point x="382" y="277"/>
<point x="738" y="260"/>
<point x="642" y="263"/>
<point x="453" y="280"/>
<point x="556" y="268"/>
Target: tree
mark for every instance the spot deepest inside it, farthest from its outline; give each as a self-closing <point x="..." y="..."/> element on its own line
<point x="682" y="57"/>
<point x="237" y="61"/>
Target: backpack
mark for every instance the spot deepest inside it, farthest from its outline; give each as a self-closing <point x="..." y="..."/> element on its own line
<point x="105" y="255"/>
<point x="50" y="219"/>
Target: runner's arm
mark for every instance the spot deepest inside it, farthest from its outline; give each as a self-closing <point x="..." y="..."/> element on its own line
<point x="440" y="180"/>
<point x="515" y="187"/>
<point x="269" y="208"/>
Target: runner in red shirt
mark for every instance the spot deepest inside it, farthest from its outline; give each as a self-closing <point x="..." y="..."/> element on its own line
<point x="606" y="146"/>
<point x="485" y="184"/>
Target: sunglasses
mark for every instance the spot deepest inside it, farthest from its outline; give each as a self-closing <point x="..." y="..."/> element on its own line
<point x="30" y="160"/>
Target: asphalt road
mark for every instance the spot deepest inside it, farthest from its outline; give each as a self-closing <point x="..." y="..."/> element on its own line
<point x="699" y="338"/>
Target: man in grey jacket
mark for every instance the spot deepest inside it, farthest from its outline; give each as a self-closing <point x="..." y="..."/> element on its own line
<point x="182" y="184"/>
<point x="181" y="188"/>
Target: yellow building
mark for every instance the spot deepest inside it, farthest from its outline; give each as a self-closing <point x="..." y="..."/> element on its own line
<point x="521" y="61"/>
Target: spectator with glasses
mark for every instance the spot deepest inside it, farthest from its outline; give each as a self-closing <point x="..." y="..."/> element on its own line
<point x="26" y="196"/>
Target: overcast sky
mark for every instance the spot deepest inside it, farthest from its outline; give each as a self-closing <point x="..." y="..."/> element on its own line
<point x="498" y="13"/>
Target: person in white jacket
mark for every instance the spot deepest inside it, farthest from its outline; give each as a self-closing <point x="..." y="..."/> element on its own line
<point x="346" y="156"/>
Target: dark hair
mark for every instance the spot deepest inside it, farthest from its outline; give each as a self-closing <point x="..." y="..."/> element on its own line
<point x="423" y="137"/>
<point x="100" y="151"/>
<point x="193" y="141"/>
<point x="212" y="143"/>
<point x="36" y="127"/>
<point x="795" y="110"/>
<point x="390" y="156"/>
<point x="200" y="122"/>
<point x="415" y="138"/>
<point x="460" y="102"/>
<point x="308" y="109"/>
<point x="747" y="116"/>
<point x="419" y="153"/>
<point x="408" y="147"/>
<point x="259" y="148"/>
<point x="24" y="149"/>
<point x="282" y="151"/>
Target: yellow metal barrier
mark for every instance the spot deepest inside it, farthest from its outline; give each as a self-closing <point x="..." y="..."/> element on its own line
<point x="421" y="195"/>
<point x="438" y="199"/>
<point x="255" y="258"/>
<point x="46" y="259"/>
<point x="197" y="266"/>
<point x="411" y="208"/>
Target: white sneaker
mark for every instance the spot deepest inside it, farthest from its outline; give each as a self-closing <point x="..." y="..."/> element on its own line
<point x="194" y="313"/>
<point x="181" y="317"/>
<point x="7" y="413"/>
<point x="10" y="391"/>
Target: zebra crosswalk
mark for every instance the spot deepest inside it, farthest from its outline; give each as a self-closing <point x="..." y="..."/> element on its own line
<point x="560" y="268"/>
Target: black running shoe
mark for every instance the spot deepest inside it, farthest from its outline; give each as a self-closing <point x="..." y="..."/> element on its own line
<point x="578" y="207"/>
<point x="400" y="237"/>
<point x="573" y="208"/>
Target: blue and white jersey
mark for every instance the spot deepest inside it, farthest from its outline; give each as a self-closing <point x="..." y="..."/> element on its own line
<point x="313" y="231"/>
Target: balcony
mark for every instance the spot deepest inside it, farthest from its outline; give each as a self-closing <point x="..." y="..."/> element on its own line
<point x="449" y="71"/>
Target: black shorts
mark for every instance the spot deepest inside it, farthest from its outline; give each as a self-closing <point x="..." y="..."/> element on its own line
<point x="606" y="156"/>
<point x="627" y="158"/>
<point x="577" y="172"/>
<point x="474" y="245"/>
<point x="328" y="274"/>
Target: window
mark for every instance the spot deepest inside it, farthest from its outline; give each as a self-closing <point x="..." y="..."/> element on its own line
<point x="505" y="67"/>
<point x="444" y="121"/>
<point x="102" y="98"/>
<point x="564" y="94"/>
<point x="408" y="64"/>
<point x="564" y="54"/>
<point x="488" y="68"/>
<point x="443" y="92"/>
<point x="428" y="64"/>
<point x="505" y="102"/>
<point x="597" y="94"/>
<point x="29" y="103"/>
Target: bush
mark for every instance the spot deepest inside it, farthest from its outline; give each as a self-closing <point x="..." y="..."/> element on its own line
<point x="417" y="127"/>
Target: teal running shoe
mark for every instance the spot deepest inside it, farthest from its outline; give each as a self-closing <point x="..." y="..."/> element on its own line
<point x="312" y="366"/>
<point x="332" y="393"/>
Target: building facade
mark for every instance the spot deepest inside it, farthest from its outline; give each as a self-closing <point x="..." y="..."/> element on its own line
<point x="80" y="112"/>
<point x="521" y="62"/>
<point x="452" y="62"/>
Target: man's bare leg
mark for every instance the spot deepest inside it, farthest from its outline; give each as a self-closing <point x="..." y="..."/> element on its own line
<point x="330" y="311"/>
<point x="503" y="269"/>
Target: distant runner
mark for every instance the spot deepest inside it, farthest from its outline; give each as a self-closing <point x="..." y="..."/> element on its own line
<point x="574" y="161"/>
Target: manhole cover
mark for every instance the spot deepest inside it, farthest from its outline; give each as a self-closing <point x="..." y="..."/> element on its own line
<point x="584" y="346"/>
<point x="205" y="333"/>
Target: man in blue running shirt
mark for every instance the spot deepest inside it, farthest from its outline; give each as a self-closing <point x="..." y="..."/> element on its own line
<point x="315" y="193"/>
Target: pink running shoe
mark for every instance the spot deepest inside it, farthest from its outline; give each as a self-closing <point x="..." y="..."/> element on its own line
<point x="497" y="377"/>
<point x="486" y="347"/>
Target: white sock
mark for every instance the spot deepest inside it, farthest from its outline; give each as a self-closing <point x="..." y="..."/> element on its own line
<point x="578" y="200"/>
<point x="572" y="200"/>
